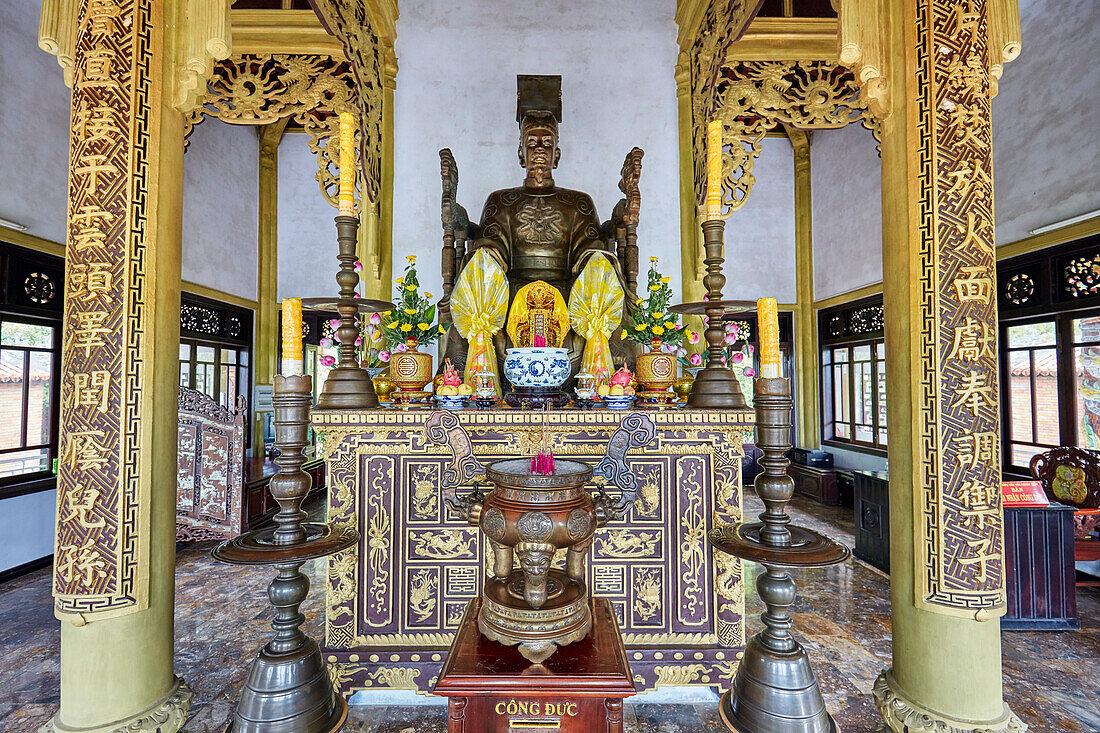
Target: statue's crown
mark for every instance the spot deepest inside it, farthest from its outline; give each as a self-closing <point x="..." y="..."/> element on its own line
<point x="538" y="93"/>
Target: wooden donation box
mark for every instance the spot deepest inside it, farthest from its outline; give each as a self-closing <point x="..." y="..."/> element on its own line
<point x="491" y="688"/>
<point x="395" y="603"/>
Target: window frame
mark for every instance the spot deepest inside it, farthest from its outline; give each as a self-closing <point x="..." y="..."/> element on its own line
<point x="877" y="370"/>
<point x="851" y="333"/>
<point x="1045" y="297"/>
<point x="18" y="305"/>
<point x="1064" y="349"/>
<point x="11" y="486"/>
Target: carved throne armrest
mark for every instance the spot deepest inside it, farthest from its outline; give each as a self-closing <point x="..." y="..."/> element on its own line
<point x="622" y="228"/>
<point x="457" y="229"/>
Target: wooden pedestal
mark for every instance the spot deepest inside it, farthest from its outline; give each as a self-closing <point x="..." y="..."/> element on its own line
<point x="579" y="688"/>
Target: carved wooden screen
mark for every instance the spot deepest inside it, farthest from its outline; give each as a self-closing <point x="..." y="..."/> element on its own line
<point x="210" y="482"/>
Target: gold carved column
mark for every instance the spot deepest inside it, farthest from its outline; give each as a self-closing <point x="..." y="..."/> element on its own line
<point x="946" y="521"/>
<point x="133" y="65"/>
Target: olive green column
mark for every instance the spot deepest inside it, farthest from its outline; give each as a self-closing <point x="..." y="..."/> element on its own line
<point x="691" y="232"/>
<point x="946" y="671"/>
<point x="114" y="576"/>
<point x="267" y="280"/>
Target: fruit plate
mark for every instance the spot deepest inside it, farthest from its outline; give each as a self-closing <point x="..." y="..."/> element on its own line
<point x="619" y="402"/>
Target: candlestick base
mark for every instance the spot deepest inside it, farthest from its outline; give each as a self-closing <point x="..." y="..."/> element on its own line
<point x="347" y="388"/>
<point x="775" y="693"/>
<point x="717" y="387"/>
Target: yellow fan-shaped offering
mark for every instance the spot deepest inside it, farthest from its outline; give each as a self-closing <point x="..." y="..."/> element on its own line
<point x="596" y="310"/>
<point x="479" y="305"/>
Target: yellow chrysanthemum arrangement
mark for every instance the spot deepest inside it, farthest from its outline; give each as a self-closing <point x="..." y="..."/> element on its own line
<point x="410" y="323"/>
<point x="653" y="324"/>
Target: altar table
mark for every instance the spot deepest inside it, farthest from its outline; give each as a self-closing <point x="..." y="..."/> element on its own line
<point x="393" y="603"/>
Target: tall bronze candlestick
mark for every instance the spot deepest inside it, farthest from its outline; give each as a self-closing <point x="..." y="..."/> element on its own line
<point x="774" y="690"/>
<point x="716" y="385"/>
<point x="288" y="689"/>
<point x="348" y="385"/>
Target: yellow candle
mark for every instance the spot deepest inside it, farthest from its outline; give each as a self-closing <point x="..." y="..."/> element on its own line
<point x="292" y="336"/>
<point x="347" y="164"/>
<point x="714" y="170"/>
<point x="767" y="324"/>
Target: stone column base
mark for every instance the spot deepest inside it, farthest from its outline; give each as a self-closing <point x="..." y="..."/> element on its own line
<point x="166" y="716"/>
<point x="905" y="716"/>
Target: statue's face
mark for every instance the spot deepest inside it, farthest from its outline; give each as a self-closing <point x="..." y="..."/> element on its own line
<point x="539" y="154"/>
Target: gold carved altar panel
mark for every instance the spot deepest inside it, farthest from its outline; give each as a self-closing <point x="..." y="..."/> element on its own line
<point x="393" y="604"/>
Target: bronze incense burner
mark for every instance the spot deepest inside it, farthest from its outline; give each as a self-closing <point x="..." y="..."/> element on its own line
<point x="531" y="517"/>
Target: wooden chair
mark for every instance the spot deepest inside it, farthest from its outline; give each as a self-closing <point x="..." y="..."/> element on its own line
<point x="1071" y="476"/>
<point x="209" y="478"/>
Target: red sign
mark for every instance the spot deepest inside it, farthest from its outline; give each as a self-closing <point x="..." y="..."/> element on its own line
<point x="1024" y="493"/>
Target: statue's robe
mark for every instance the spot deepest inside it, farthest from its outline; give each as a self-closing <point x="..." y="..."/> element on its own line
<point x="539" y="235"/>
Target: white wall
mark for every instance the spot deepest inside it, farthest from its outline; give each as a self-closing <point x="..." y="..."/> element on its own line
<point x="34" y="125"/>
<point x="760" y="247"/>
<point x="852" y="460"/>
<point x="26" y="524"/>
<point x="1045" y="144"/>
<point x="846" y="177"/>
<point x="306" y="233"/>
<point x="220" y="208"/>
<point x="457" y="88"/>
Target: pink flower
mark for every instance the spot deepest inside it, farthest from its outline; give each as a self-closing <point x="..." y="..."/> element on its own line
<point x="738" y="358"/>
<point x="750" y="372"/>
<point x="358" y="266"/>
<point x="334" y="323"/>
<point x="695" y="359"/>
<point x="693" y="337"/>
<point x="326" y="343"/>
<point x="750" y="348"/>
<point x="401" y="348"/>
<point x="328" y="361"/>
<point x="383" y="356"/>
<point x="681" y="351"/>
<point x="706" y="297"/>
<point x="732" y="329"/>
<point x="359" y="341"/>
<point x="375" y="319"/>
<point x="730" y="339"/>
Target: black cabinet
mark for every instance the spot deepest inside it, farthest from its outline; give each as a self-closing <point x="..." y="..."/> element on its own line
<point x="872" y="518"/>
<point x="1039" y="572"/>
<point x="818" y="484"/>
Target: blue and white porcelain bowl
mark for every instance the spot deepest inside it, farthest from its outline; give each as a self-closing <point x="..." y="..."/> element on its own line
<point x="619" y="402"/>
<point x="537" y="366"/>
<point x="451" y="402"/>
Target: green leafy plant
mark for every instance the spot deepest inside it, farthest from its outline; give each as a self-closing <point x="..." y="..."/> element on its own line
<point x="410" y="324"/>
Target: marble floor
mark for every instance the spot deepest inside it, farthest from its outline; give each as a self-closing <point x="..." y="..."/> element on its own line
<point x="842" y="616"/>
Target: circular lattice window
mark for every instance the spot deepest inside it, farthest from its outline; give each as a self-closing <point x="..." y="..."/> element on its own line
<point x="1019" y="289"/>
<point x="39" y="287"/>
